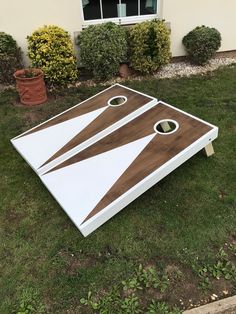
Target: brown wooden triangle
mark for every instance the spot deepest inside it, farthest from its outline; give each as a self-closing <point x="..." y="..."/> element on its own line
<point x="106" y="119"/>
<point x="161" y="149"/>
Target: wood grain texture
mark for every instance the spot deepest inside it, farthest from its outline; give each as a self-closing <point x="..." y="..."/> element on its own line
<point x="110" y="116"/>
<point x="161" y="149"/>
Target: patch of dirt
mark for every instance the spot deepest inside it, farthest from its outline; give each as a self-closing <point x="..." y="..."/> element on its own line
<point x="33" y="116"/>
<point x="74" y="262"/>
<point x="183" y="290"/>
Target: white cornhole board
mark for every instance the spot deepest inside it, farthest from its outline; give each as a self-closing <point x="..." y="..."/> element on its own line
<point x="108" y="164"/>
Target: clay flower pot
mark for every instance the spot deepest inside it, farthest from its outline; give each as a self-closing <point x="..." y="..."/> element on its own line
<point x="31" y="87"/>
<point x="124" y="70"/>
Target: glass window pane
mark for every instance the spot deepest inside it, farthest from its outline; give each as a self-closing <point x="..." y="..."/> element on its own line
<point x="148" y="7"/>
<point x="110" y="8"/>
<point x="129" y="8"/>
<point x="91" y="9"/>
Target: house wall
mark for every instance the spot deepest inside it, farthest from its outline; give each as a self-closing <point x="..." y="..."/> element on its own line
<point x="21" y="18"/>
<point x="184" y="15"/>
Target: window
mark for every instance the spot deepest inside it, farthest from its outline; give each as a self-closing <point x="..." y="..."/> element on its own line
<point x="122" y="11"/>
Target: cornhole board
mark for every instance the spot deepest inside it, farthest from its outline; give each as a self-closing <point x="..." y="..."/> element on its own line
<point x="112" y="158"/>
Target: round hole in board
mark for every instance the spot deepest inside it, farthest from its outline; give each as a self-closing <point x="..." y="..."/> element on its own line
<point x="117" y="101"/>
<point x="166" y="126"/>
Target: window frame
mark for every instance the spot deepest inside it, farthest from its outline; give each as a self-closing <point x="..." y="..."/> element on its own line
<point x="121" y="20"/>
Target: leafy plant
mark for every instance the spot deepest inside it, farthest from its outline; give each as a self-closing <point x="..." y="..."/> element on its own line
<point x="126" y="301"/>
<point x="222" y="268"/>
<point x="232" y="248"/>
<point x="160" y="308"/>
<point x="205" y="283"/>
<point x="10" y="58"/>
<point x="29" y="73"/>
<point x="130" y="305"/>
<point x="202" y="43"/>
<point x="90" y="301"/>
<point x="29" y="303"/>
<point x="110" y="303"/>
<point x="149" y="46"/>
<point x="7" y="43"/>
<point x="132" y="283"/>
<point x="102" y="48"/>
<point x="150" y="278"/>
<point x="51" y="49"/>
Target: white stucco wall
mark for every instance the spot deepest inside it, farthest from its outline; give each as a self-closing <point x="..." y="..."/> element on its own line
<point x="184" y="15"/>
<point x="21" y="18"/>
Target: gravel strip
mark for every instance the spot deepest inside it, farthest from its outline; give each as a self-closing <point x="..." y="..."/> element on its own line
<point x="181" y="69"/>
<point x="172" y="70"/>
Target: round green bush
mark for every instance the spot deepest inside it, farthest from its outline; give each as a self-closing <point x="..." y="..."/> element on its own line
<point x="149" y="46"/>
<point x="7" y="44"/>
<point x="202" y="43"/>
<point x="10" y="58"/>
<point x="51" y="49"/>
<point x="102" y="48"/>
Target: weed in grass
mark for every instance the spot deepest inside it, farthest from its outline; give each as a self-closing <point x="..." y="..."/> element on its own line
<point x="151" y="278"/>
<point x="127" y="301"/>
<point x="223" y="267"/>
<point x="130" y="305"/>
<point x="161" y="308"/>
<point x="232" y="248"/>
<point x="29" y="303"/>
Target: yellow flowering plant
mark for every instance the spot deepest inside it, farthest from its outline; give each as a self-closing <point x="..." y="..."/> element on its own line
<point x="50" y="48"/>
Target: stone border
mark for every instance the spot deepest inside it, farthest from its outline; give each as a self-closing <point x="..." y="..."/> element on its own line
<point x="224" y="306"/>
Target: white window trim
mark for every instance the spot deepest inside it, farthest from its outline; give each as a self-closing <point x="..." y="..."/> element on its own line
<point x="122" y="20"/>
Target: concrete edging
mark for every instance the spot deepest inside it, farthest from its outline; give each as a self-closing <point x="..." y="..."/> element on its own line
<point x="225" y="306"/>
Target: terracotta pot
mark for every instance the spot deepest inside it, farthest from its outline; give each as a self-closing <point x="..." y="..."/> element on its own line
<point x="124" y="70"/>
<point x="32" y="90"/>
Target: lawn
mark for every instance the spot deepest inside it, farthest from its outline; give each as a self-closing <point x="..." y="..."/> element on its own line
<point x="183" y="227"/>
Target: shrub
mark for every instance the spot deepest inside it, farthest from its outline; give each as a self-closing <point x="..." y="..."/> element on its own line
<point x="10" y="58"/>
<point x="51" y="49"/>
<point x="202" y="43"/>
<point x="103" y="47"/>
<point x="149" y="46"/>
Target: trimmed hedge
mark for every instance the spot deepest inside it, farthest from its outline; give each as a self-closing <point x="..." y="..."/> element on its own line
<point x="149" y="46"/>
<point x="102" y="48"/>
<point x="10" y="58"/>
<point x="51" y="50"/>
<point x="202" y="43"/>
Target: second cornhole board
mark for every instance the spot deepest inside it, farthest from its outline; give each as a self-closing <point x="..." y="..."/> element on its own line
<point x="56" y="139"/>
<point x="94" y="184"/>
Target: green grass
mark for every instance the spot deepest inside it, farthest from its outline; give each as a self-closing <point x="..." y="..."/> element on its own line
<point x="180" y="221"/>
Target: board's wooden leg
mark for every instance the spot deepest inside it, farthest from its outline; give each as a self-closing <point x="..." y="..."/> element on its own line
<point x="165" y="126"/>
<point x="209" y="150"/>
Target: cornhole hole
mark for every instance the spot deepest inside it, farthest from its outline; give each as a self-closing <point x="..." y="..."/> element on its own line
<point x="95" y="181"/>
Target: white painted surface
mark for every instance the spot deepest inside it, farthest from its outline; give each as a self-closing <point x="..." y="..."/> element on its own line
<point x="39" y="146"/>
<point x="79" y="187"/>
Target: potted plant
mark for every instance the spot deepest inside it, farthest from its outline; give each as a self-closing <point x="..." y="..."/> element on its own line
<point x="31" y="87"/>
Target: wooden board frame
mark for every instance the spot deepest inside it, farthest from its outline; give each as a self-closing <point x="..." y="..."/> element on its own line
<point x="88" y="225"/>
